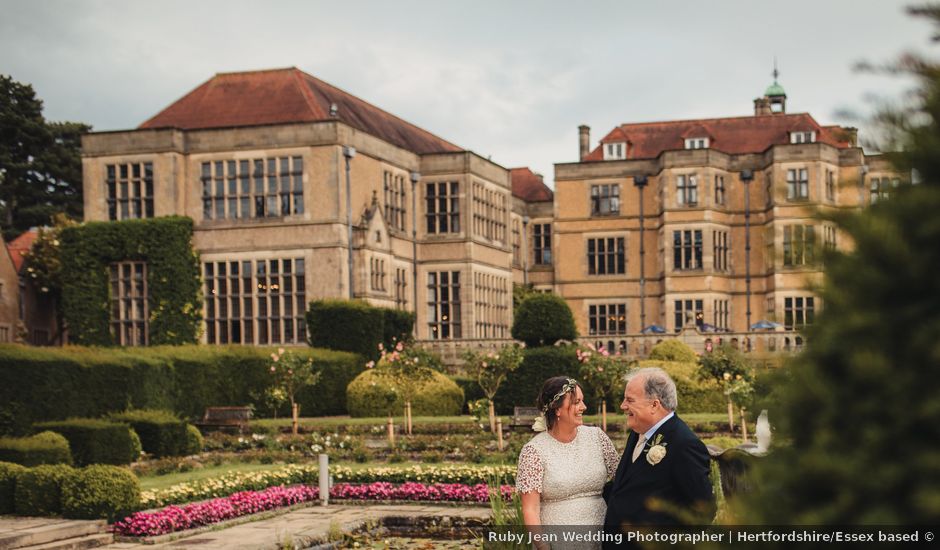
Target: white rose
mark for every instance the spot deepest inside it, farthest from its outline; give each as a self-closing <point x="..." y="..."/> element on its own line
<point x="656" y="454"/>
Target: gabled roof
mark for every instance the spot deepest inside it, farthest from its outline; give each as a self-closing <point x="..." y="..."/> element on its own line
<point x="734" y="135"/>
<point x="20" y="246"/>
<point x="528" y="186"/>
<point x="283" y="96"/>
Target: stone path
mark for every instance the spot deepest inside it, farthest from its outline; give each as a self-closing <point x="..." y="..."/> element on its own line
<point x="305" y="527"/>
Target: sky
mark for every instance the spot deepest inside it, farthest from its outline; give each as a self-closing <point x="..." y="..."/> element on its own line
<point x="509" y="80"/>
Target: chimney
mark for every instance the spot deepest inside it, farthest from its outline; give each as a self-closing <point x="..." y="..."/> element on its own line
<point x="584" y="140"/>
<point x="762" y="106"/>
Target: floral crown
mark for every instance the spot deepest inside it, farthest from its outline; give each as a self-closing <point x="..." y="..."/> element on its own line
<point x="570" y="384"/>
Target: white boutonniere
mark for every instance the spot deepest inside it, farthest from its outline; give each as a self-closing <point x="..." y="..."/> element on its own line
<point x="657" y="451"/>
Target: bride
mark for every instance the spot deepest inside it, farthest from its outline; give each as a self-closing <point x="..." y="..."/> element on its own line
<point x="562" y="470"/>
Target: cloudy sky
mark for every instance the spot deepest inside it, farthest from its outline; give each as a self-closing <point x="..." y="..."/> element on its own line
<point x="511" y="80"/>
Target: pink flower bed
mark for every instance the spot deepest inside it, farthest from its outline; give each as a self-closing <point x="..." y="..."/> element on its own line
<point x="198" y="514"/>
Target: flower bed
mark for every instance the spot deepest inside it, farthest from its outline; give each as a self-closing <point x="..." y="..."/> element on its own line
<point x="228" y="484"/>
<point x="180" y="518"/>
<point x="176" y="518"/>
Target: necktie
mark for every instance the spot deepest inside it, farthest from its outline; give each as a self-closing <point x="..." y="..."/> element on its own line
<point x="638" y="450"/>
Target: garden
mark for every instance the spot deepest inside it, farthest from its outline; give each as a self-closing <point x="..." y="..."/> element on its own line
<point x="119" y="434"/>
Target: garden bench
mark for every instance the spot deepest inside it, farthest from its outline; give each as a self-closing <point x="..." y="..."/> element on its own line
<point x="225" y="418"/>
<point x="523" y="417"/>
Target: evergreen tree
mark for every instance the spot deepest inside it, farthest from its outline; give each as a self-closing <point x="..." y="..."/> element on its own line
<point x="861" y="407"/>
<point x="40" y="162"/>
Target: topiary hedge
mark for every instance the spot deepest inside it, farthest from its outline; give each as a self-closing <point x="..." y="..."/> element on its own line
<point x="194" y="440"/>
<point x="521" y="387"/>
<point x="173" y="277"/>
<point x="542" y="320"/>
<point x="398" y="326"/>
<point x="38" y="490"/>
<point x="673" y="350"/>
<point x="347" y="325"/>
<point x="42" y="448"/>
<point x="372" y="393"/>
<point x="98" y="492"/>
<point x="161" y="432"/>
<point x="8" y="473"/>
<point x="40" y="384"/>
<point x="96" y="441"/>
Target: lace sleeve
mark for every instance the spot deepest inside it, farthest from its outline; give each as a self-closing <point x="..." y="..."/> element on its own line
<point x="529" y="472"/>
<point x="611" y="458"/>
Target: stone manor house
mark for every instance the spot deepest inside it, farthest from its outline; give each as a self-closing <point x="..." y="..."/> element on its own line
<point x="302" y="191"/>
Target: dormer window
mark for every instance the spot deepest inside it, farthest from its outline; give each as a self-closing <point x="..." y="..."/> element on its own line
<point x="696" y="143"/>
<point x="802" y="137"/>
<point x="615" y="151"/>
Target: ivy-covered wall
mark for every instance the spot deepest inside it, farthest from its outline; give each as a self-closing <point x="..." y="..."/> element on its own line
<point x="173" y="280"/>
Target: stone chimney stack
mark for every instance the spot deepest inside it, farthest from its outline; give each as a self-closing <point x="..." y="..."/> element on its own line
<point x="762" y="106"/>
<point x="584" y="140"/>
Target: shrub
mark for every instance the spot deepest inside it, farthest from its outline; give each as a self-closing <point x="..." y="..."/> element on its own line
<point x="161" y="432"/>
<point x="99" y="492"/>
<point x="8" y="473"/>
<point x="347" y="325"/>
<point x="42" y="448"/>
<point x="542" y="320"/>
<point x="673" y="350"/>
<point x="96" y="441"/>
<point x="373" y="393"/>
<point x="38" y="490"/>
<point x="399" y="326"/>
<point x="194" y="440"/>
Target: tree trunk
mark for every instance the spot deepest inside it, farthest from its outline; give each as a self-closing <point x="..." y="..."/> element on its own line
<point x="295" y="414"/>
<point x="604" y="414"/>
<point x="743" y="425"/>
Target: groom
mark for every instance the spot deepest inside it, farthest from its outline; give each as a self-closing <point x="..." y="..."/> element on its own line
<point x="663" y="474"/>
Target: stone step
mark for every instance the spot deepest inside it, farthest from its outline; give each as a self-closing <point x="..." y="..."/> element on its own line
<point x="75" y="543"/>
<point x="51" y="532"/>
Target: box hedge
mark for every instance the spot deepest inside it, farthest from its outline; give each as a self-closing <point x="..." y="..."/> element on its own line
<point x="161" y="432"/>
<point x="97" y="441"/>
<point x="97" y="492"/>
<point x="367" y="396"/>
<point x="40" y="384"/>
<point x="398" y="326"/>
<point x="346" y="325"/>
<point x="42" y="448"/>
<point x="8" y="473"/>
<point x="38" y="490"/>
<point x="194" y="440"/>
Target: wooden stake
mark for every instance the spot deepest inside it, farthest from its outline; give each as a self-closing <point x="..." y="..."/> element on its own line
<point x="730" y="416"/>
<point x="604" y="414"/>
<point x="391" y="431"/>
<point x="295" y="413"/>
<point x="499" y="434"/>
<point x="408" y="416"/>
<point x="492" y="417"/>
<point x="743" y="425"/>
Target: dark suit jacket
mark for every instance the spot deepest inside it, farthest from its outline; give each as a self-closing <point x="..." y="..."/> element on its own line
<point x="680" y="481"/>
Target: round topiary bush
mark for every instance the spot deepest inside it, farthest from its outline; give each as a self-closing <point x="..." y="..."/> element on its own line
<point x="194" y="440"/>
<point x="100" y="491"/>
<point x="542" y="320"/>
<point x="8" y="473"/>
<point x="38" y="490"/>
<point x="42" y="448"/>
<point x="673" y="350"/>
<point x="374" y="393"/>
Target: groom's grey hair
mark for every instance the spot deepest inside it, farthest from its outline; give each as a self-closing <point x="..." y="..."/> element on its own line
<point x="658" y="385"/>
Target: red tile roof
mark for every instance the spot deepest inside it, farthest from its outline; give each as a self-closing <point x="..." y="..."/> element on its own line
<point x="736" y="135"/>
<point x="528" y="186"/>
<point x="282" y="96"/>
<point x="20" y="246"/>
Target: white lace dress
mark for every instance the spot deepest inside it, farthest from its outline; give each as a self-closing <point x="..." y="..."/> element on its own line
<point x="569" y="476"/>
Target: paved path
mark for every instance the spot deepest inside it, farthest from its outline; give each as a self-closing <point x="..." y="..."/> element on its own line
<point x="304" y="527"/>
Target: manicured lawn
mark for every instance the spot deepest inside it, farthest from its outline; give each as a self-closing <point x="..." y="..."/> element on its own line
<point x="150" y="483"/>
